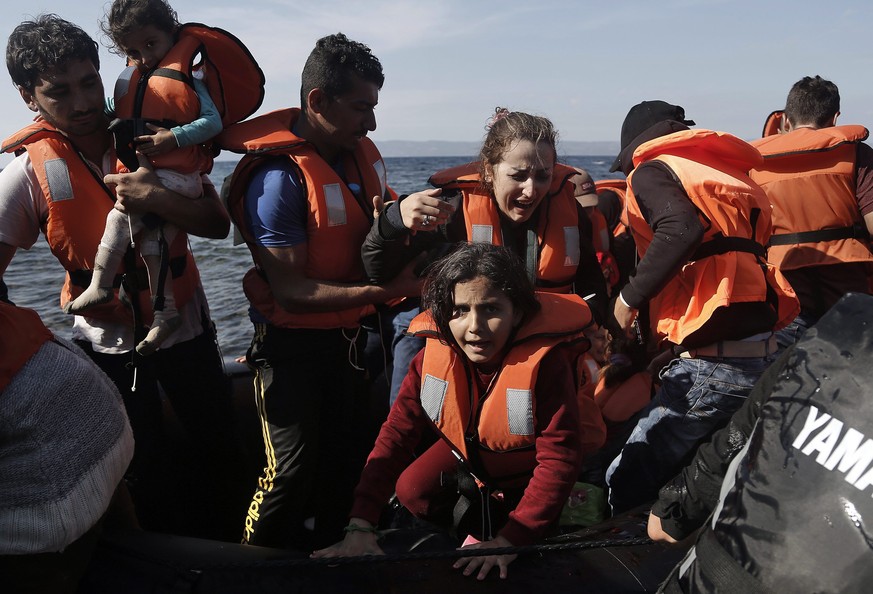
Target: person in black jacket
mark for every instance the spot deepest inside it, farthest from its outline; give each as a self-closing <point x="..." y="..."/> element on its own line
<point x="783" y="492"/>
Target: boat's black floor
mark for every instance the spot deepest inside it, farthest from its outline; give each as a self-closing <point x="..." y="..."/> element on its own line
<point x="142" y="562"/>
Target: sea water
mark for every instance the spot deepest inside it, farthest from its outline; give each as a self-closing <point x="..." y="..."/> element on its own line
<point x="34" y="277"/>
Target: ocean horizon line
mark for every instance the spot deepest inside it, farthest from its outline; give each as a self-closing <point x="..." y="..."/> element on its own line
<point x="461" y="148"/>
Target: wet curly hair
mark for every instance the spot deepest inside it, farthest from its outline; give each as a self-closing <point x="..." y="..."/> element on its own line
<point x="333" y="65"/>
<point x="499" y="265"/>
<point x="126" y="16"/>
<point x="507" y="127"/>
<point x="44" y="43"/>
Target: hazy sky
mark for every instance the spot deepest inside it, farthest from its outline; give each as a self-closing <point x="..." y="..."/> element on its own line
<point x="583" y="64"/>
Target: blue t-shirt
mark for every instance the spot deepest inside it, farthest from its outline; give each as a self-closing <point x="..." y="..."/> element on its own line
<point x="275" y="205"/>
<point x="276" y="208"/>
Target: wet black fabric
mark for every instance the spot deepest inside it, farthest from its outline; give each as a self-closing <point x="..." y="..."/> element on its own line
<point x="796" y="506"/>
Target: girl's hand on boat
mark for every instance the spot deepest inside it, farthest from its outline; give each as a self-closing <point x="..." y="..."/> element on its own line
<point x="425" y="211"/>
<point x="484" y="564"/>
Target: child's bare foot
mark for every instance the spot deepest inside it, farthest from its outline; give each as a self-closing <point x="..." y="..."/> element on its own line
<point x="161" y="329"/>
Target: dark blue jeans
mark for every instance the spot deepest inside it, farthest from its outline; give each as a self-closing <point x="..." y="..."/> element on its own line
<point x="697" y="397"/>
<point x="793" y="332"/>
<point x="403" y="346"/>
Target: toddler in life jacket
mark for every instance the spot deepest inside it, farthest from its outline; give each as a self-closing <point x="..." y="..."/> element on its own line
<point x="167" y="113"/>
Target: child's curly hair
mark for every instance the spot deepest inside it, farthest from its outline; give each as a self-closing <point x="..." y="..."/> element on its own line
<point x="126" y="16"/>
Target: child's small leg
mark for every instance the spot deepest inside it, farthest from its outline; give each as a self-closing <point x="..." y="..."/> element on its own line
<point x="113" y="244"/>
<point x="167" y="319"/>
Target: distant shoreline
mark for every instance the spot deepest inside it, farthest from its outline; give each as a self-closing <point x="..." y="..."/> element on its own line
<point x="451" y="149"/>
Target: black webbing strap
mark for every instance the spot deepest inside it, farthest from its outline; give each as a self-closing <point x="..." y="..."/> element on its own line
<point x="138" y="280"/>
<point x="130" y="287"/>
<point x="851" y="232"/>
<point x="719" y="566"/>
<point x="158" y="303"/>
<point x="532" y="255"/>
<point x="722" y="244"/>
<point x="470" y="491"/>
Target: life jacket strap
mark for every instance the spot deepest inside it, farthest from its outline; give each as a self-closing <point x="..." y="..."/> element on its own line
<point x="851" y="232"/>
<point x="722" y="244"/>
<point x="725" y="571"/>
<point x="138" y="280"/>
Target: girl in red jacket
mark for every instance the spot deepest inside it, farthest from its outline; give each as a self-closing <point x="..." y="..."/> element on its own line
<point x="495" y="384"/>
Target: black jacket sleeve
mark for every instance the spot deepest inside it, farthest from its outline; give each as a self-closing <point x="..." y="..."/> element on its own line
<point x="389" y="246"/>
<point x="589" y="276"/>
<point x="685" y="503"/>
<point x="677" y="231"/>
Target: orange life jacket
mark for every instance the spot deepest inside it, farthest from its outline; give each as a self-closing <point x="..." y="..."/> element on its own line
<point x="773" y="124"/>
<point x="599" y="229"/>
<point x="729" y="265"/>
<point x="338" y="221"/>
<point x="558" y="250"/>
<point x="620" y="402"/>
<point x="501" y="423"/>
<point x="78" y="202"/>
<point x="592" y="425"/>
<point x="809" y="176"/>
<point x="166" y="93"/>
<point x="619" y="186"/>
<point x="589" y="373"/>
<point x="22" y="334"/>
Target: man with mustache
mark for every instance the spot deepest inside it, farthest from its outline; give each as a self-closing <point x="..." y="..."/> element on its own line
<point x="303" y="199"/>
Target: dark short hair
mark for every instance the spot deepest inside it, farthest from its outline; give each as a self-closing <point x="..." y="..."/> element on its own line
<point x="126" y="16"/>
<point x="333" y="65"/>
<point x="504" y="270"/>
<point x="812" y="100"/>
<point x="505" y="129"/>
<point x="44" y="43"/>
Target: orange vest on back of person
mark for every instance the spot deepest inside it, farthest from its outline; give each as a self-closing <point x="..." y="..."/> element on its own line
<point x="337" y="223"/>
<point x="729" y="266"/>
<point x="600" y="235"/>
<point x="232" y="76"/>
<point x="592" y="425"/>
<point x="619" y="186"/>
<point x="558" y="251"/>
<point x="78" y="202"/>
<point x="22" y="334"/>
<point x="620" y="402"/>
<point x="809" y="176"/>
<point x="499" y="425"/>
<point x="773" y="124"/>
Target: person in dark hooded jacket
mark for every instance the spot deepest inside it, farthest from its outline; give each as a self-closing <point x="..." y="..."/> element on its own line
<point x="700" y="224"/>
<point x="783" y="491"/>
